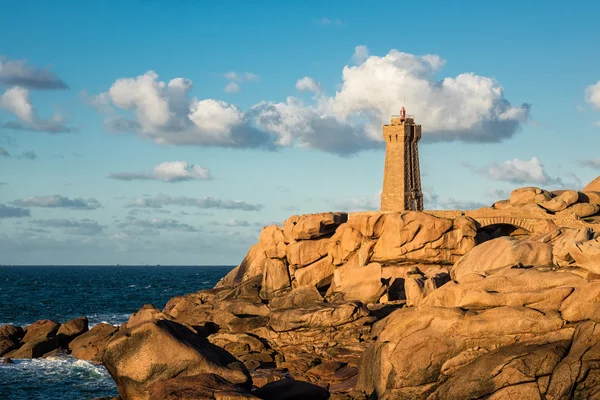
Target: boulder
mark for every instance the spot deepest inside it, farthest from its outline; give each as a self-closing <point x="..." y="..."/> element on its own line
<point x="276" y="278"/>
<point x="90" y="345"/>
<point x="582" y="210"/>
<point x="593" y="196"/>
<point x="515" y="366"/>
<point x="302" y="296"/>
<point x="369" y="225"/>
<point x="414" y="344"/>
<point x="253" y="265"/>
<point x="317" y="316"/>
<point x="71" y="329"/>
<point x="57" y="354"/>
<point x="576" y="376"/>
<point x="511" y="287"/>
<point x="562" y="201"/>
<point x="316" y="273"/>
<point x="593" y="186"/>
<point x="343" y="243"/>
<point x="305" y="252"/>
<point x="226" y="321"/>
<point x="527" y="195"/>
<point x="413" y="236"/>
<point x="190" y="309"/>
<point x="237" y="343"/>
<point x="248" y="290"/>
<point x="242" y="307"/>
<point x="7" y="346"/>
<point x="40" y="338"/>
<point x="358" y="282"/>
<point x="576" y="247"/>
<point x="11" y="332"/>
<point x="10" y="335"/>
<point x="531" y="208"/>
<point x="583" y="304"/>
<point x="503" y="252"/>
<point x="290" y="389"/>
<point x="160" y="350"/>
<point x="201" y="386"/>
<point x="312" y="226"/>
<point x="414" y="287"/>
<point x="272" y="240"/>
<point x="502" y="205"/>
<point x="147" y="313"/>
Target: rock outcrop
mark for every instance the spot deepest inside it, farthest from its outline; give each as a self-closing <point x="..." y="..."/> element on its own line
<point x="10" y="336"/>
<point x="411" y="300"/>
<point x="39" y="339"/>
<point x="156" y="350"/>
<point x="593" y="186"/>
<point x="90" y="345"/>
<point x="47" y="338"/>
<point x="567" y="203"/>
<point x="71" y="329"/>
<point x="396" y="305"/>
<point x="505" y="333"/>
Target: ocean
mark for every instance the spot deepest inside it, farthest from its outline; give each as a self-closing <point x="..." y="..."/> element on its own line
<point x="103" y="294"/>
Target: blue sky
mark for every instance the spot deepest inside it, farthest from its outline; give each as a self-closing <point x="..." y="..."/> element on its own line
<point x="143" y="132"/>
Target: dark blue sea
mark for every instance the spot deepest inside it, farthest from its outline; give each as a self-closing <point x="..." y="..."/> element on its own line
<point x="103" y="294"/>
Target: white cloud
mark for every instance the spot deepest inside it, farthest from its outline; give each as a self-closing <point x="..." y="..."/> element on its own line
<point x="18" y="73"/>
<point x="170" y="171"/>
<point x="84" y="226"/>
<point x="241" y="77"/>
<point x="592" y="94"/>
<point x="593" y="163"/>
<point x="236" y="78"/>
<point x="361" y="53"/>
<point x="467" y="107"/>
<point x="161" y="200"/>
<point x="232" y="87"/>
<point x="498" y="193"/>
<point x="13" y="212"/>
<point x="135" y="226"/>
<point x="355" y="204"/>
<point x="58" y="201"/>
<point x="166" y="114"/>
<point x="16" y="100"/>
<point x="519" y="172"/>
<point x="307" y="84"/>
<point x="432" y="201"/>
<point x="237" y="222"/>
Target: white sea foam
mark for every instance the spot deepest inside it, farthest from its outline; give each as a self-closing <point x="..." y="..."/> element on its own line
<point x="24" y="378"/>
<point x="93" y="319"/>
<point x="112" y="319"/>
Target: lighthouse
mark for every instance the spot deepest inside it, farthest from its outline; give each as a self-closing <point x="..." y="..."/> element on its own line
<point x="401" y="173"/>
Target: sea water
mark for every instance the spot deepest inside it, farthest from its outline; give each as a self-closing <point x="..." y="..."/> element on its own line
<point x="103" y="294"/>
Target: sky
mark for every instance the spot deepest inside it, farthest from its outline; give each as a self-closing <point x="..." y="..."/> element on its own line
<point x="151" y="132"/>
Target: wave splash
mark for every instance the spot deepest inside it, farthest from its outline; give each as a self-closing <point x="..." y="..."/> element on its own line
<point x="59" y="377"/>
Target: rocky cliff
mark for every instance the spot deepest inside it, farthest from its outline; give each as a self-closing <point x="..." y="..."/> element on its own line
<point x="374" y="305"/>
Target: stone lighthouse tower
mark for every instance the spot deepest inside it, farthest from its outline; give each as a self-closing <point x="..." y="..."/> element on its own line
<point x="401" y="174"/>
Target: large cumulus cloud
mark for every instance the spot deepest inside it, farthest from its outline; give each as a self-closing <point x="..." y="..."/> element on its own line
<point x="467" y="107"/>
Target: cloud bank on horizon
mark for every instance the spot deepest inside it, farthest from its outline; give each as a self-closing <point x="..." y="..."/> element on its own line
<point x="467" y="107"/>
